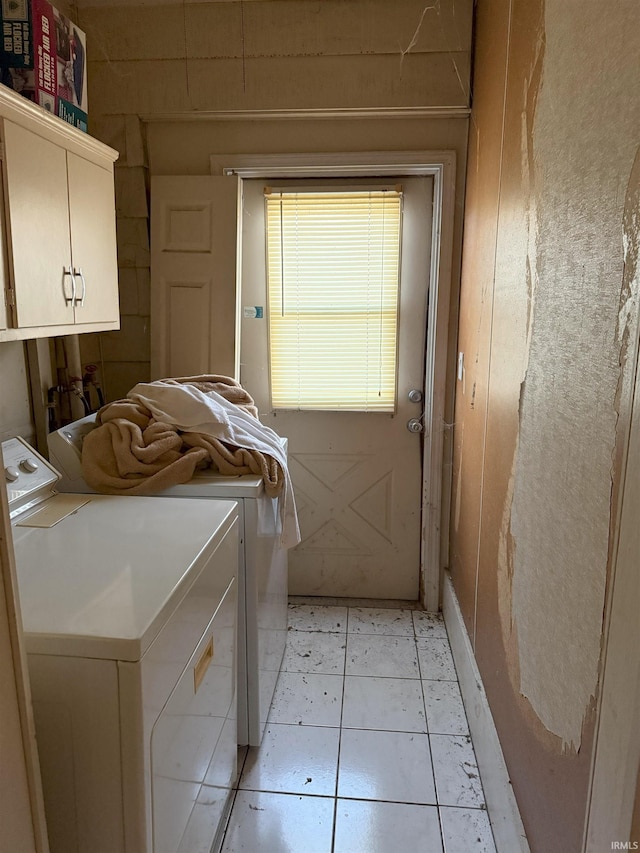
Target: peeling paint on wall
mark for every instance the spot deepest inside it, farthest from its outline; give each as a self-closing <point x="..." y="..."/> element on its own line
<point x="630" y="292"/>
<point x="516" y="261"/>
<point x="561" y="504"/>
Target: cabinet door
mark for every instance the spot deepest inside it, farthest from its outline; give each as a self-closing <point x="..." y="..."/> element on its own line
<point x="38" y="226"/>
<point x="93" y="240"/>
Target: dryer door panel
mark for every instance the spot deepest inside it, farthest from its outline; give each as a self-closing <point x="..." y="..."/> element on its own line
<point x="193" y="743"/>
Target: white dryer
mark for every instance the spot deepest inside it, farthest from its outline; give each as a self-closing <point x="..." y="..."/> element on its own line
<point x="129" y="614"/>
<point x="263" y="575"/>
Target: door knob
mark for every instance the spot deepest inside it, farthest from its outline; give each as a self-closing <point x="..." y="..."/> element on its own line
<point x="415" y="395"/>
<point x="414" y="425"/>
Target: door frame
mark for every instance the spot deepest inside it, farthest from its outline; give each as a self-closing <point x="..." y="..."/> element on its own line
<point x="615" y="759"/>
<point x="441" y="166"/>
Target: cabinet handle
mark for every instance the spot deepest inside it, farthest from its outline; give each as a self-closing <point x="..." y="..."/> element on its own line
<point x="201" y="667"/>
<point x="66" y="272"/>
<point x="84" y="287"/>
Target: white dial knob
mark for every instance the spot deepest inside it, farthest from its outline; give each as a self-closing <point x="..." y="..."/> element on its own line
<point x="11" y="473"/>
<point x="29" y="465"/>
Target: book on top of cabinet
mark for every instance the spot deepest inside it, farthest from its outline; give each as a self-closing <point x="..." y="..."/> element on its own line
<point x="43" y="57"/>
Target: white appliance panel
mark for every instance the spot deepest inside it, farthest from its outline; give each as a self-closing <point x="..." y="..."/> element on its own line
<point x="263" y="576"/>
<point x="104" y="579"/>
<point x="27" y="474"/>
<point x="266" y="595"/>
<point x="130" y="617"/>
<point x="189" y="738"/>
<point x="77" y="717"/>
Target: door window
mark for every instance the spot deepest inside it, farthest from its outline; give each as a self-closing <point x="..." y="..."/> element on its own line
<point x="333" y="270"/>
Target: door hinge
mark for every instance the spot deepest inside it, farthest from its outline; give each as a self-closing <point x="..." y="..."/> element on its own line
<point x="1" y="150"/>
<point x="11" y="297"/>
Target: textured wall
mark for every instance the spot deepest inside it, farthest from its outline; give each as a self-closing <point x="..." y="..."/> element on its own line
<point x="15" y="405"/>
<point x="546" y="308"/>
<point x="162" y="58"/>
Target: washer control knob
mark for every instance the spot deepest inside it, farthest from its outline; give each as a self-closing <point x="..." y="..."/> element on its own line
<point x="29" y="465"/>
<point x="11" y="473"/>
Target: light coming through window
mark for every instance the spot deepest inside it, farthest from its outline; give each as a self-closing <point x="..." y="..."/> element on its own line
<point x="333" y="270"/>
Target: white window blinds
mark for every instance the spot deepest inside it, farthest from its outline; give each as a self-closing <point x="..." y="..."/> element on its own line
<point x="333" y="268"/>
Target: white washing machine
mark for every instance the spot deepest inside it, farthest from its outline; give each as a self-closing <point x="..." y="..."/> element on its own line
<point x="129" y="614"/>
<point x="263" y="583"/>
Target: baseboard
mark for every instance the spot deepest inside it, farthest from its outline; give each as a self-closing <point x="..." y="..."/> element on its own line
<point x="343" y="601"/>
<point x="502" y="808"/>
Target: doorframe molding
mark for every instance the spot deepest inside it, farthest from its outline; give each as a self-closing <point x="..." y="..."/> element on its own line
<point x="616" y="749"/>
<point x="441" y="166"/>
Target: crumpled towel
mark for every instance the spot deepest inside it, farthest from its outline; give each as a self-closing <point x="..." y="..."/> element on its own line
<point x="124" y="457"/>
<point x="163" y="431"/>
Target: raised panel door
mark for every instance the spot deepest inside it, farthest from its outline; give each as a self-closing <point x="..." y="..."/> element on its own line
<point x="194" y="227"/>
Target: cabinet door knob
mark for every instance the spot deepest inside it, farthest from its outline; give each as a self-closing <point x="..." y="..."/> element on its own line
<point x="69" y="300"/>
<point x="80" y="301"/>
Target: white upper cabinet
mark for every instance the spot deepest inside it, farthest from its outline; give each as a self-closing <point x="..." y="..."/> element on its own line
<point x="93" y="240"/>
<point x="61" y="272"/>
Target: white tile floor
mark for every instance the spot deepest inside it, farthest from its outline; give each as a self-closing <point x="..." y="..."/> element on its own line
<point x="367" y="748"/>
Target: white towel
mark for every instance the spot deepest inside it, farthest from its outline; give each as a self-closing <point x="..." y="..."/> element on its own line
<point x="191" y="410"/>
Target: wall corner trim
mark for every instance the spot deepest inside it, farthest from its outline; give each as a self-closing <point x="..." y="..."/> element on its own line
<point x="502" y="808"/>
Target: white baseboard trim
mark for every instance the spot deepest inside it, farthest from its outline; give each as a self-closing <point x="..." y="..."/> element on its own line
<point x="502" y="807"/>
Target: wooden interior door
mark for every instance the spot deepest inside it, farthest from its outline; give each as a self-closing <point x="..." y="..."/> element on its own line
<point x="194" y="228"/>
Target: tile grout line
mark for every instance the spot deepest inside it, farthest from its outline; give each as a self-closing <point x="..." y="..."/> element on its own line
<point x="426" y="718"/>
<point x="344" y="684"/>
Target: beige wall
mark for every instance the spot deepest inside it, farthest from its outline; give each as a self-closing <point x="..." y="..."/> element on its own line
<point x="548" y="302"/>
<point x="15" y="405"/>
<point x="186" y="60"/>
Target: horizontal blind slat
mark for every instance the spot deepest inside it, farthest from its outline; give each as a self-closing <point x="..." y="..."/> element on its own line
<point x="333" y="275"/>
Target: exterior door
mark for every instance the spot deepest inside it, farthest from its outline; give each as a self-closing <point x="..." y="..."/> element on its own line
<point x="357" y="475"/>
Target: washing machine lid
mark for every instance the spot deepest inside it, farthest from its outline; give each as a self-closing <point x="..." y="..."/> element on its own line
<point x="103" y="581"/>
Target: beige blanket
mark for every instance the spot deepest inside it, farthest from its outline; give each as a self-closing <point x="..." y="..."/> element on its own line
<point x="131" y="453"/>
